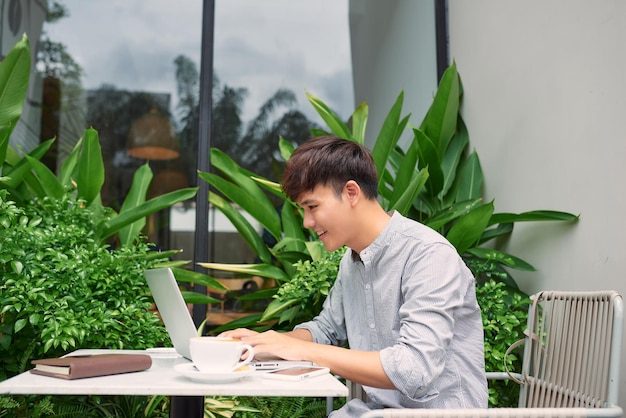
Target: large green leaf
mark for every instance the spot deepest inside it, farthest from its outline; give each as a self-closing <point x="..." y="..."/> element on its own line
<point x="316" y="249"/>
<point x="135" y="197"/>
<point x="243" y="227"/>
<point x="500" y="258"/>
<point x="90" y="174"/>
<point x="5" y="135"/>
<point x="335" y="124"/>
<point x="429" y="158"/>
<point x="160" y="255"/>
<point x="288" y="259"/>
<point x="498" y="231"/>
<point x="259" y="294"/>
<point x="271" y="186"/>
<point x="68" y="168"/>
<point x="22" y="168"/>
<point x="48" y="181"/>
<point x="198" y="298"/>
<point x="408" y="195"/>
<point x="285" y="147"/>
<point x="292" y="226"/>
<point x="468" y="228"/>
<point x="471" y="181"/>
<point x="405" y="173"/>
<point x="440" y="120"/>
<point x="387" y="137"/>
<point x="359" y="123"/>
<point x="451" y="160"/>
<point x="243" y="191"/>
<point x="448" y="214"/>
<point x="147" y="208"/>
<point x="14" y="76"/>
<point x="263" y="270"/>
<point x="275" y="307"/>
<point x="188" y="276"/>
<point x="532" y="216"/>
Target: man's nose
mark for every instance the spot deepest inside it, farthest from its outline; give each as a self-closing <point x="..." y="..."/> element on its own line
<point x="308" y="221"/>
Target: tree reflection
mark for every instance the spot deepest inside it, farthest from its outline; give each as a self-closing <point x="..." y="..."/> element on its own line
<point x="112" y="111"/>
<point x="255" y="146"/>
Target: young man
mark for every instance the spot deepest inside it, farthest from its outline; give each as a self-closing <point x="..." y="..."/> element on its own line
<point x="404" y="301"/>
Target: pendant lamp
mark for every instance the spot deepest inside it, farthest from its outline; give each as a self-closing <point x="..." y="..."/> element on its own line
<point x="152" y="137"/>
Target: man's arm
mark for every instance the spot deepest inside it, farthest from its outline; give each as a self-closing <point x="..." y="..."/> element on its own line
<point x="362" y="367"/>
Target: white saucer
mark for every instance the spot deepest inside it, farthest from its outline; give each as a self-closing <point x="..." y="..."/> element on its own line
<point x="189" y="370"/>
<point x="162" y="352"/>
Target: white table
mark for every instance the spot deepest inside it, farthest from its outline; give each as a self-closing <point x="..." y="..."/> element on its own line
<point x="162" y="379"/>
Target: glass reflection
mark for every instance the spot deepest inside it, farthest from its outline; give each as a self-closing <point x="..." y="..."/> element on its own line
<point x="110" y="63"/>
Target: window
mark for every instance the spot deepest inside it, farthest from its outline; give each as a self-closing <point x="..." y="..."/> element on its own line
<point x="131" y="70"/>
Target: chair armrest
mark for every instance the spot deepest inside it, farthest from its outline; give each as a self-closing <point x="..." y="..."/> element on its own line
<point x="502" y="376"/>
<point x="612" y="412"/>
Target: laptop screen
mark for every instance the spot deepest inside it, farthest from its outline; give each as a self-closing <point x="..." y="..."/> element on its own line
<point x="172" y="308"/>
<point x="178" y="321"/>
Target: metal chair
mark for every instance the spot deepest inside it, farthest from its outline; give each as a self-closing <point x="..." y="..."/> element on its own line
<point x="570" y="365"/>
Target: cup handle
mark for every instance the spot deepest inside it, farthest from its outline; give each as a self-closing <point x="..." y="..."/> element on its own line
<point x="250" y="350"/>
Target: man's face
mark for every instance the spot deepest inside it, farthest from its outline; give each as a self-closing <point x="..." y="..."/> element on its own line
<point x="327" y="215"/>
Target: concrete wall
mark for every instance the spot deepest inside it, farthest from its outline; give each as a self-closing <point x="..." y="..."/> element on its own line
<point x="545" y="101"/>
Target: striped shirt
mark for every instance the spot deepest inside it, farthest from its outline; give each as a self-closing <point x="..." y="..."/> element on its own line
<point x="410" y="296"/>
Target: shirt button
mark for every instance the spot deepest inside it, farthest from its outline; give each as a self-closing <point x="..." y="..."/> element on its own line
<point x="372" y="326"/>
<point x="368" y="286"/>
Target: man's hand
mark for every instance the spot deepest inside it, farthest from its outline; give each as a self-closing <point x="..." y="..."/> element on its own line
<point x="238" y="333"/>
<point x="286" y="345"/>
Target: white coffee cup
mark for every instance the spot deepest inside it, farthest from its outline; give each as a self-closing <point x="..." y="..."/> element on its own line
<point x="218" y="355"/>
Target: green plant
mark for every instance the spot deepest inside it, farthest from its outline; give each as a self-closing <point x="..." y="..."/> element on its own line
<point x="435" y="181"/>
<point x="239" y="188"/>
<point x="82" y="174"/>
<point x="95" y="406"/>
<point x="504" y="314"/>
<point x="63" y="289"/>
<point x="301" y="298"/>
<point x="22" y="406"/>
<point x="281" y="407"/>
<point x="62" y="286"/>
<point x="221" y="406"/>
<point x="123" y="406"/>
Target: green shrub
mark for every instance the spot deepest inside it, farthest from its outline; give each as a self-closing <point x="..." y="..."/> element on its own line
<point x="301" y="298"/>
<point x="283" y="407"/>
<point x="504" y="314"/>
<point x="62" y="289"/>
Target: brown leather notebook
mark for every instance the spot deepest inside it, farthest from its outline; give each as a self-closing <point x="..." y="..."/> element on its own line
<point x="78" y="367"/>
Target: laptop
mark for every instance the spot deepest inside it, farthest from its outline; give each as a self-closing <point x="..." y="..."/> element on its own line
<point x="178" y="321"/>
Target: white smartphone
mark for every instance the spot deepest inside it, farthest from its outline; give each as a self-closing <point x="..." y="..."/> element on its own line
<point x="295" y="373"/>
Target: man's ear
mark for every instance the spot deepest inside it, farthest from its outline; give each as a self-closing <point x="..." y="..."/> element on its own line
<point x="352" y="191"/>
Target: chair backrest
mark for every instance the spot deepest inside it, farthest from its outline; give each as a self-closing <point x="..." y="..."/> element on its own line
<point x="572" y="350"/>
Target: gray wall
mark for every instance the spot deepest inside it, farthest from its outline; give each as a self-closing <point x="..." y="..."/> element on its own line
<point x="545" y="101"/>
<point x="393" y="50"/>
<point x="545" y="88"/>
